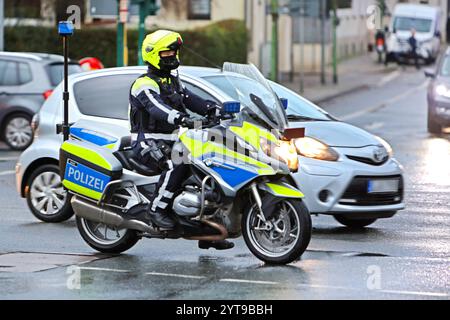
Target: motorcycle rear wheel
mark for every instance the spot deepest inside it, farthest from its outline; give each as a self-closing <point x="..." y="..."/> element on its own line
<point x="106" y="239"/>
<point x="287" y="240"/>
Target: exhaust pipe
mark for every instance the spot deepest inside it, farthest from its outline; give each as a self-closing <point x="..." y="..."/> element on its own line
<point x="222" y="236"/>
<point x="90" y="211"/>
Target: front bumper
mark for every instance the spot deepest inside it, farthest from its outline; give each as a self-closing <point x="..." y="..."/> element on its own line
<point x="338" y="187"/>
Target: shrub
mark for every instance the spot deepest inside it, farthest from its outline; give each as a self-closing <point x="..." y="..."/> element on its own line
<point x="207" y="46"/>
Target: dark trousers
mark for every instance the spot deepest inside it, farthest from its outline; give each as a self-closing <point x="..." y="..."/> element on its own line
<point x="170" y="181"/>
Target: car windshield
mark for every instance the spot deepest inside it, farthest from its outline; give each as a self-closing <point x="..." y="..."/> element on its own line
<point x="56" y="71"/>
<point x="298" y="107"/>
<point x="258" y="100"/>
<point x="406" y="24"/>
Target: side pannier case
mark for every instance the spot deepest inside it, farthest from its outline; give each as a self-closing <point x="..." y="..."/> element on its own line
<point x="86" y="169"/>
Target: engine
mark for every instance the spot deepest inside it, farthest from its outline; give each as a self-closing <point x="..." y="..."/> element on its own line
<point x="189" y="203"/>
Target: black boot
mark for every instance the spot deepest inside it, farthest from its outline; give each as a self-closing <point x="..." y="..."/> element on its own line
<point x="162" y="220"/>
<point x="218" y="245"/>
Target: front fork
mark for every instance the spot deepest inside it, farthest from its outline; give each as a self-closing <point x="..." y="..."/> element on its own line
<point x="266" y="225"/>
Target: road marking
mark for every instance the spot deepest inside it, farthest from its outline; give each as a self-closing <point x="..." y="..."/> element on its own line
<point x="8" y="158"/>
<point x="174" y="275"/>
<point x="104" y="269"/>
<point x="388" y="78"/>
<point x="374" y="126"/>
<point x="399" y="97"/>
<point x="250" y="281"/>
<point x="415" y="293"/>
<point x="7" y="173"/>
<point x="317" y="286"/>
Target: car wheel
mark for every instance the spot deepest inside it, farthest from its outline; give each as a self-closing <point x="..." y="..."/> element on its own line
<point x="46" y="197"/>
<point x="433" y="126"/>
<point x="17" y="132"/>
<point x="354" y="223"/>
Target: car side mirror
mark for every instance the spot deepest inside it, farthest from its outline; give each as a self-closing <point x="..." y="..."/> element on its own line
<point x="429" y="73"/>
<point x="438" y="34"/>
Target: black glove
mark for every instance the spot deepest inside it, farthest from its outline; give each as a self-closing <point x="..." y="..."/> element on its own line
<point x="187" y="122"/>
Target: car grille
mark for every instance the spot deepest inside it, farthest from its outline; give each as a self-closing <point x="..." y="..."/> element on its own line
<point x="368" y="160"/>
<point x="357" y="194"/>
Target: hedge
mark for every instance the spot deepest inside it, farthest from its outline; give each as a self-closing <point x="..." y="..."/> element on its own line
<point x="216" y="43"/>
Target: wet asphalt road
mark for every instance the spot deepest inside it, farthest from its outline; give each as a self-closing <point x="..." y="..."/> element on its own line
<point x="405" y="257"/>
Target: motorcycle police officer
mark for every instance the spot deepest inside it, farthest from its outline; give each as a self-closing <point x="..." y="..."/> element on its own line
<point x="158" y="103"/>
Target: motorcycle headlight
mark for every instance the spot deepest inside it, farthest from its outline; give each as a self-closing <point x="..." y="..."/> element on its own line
<point x="386" y="145"/>
<point x="312" y="148"/>
<point x="283" y="151"/>
<point x="442" y="90"/>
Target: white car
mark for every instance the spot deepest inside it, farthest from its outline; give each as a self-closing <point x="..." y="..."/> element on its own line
<point x="344" y="171"/>
<point x="323" y="182"/>
<point x="426" y="20"/>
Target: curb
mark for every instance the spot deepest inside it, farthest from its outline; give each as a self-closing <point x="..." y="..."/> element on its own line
<point x="339" y="94"/>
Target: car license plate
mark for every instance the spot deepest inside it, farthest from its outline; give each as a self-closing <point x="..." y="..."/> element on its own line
<point x="383" y="186"/>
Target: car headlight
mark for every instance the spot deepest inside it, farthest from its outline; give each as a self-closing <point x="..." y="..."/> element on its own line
<point x="386" y="145"/>
<point x="442" y="90"/>
<point x="283" y="151"/>
<point x="312" y="148"/>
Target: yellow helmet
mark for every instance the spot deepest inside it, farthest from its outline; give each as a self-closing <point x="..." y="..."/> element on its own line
<point x="157" y="42"/>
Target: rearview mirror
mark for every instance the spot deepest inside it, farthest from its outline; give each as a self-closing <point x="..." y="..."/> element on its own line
<point x="231" y="107"/>
<point x="429" y="73"/>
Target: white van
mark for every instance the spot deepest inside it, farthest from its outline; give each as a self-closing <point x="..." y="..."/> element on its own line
<point x="426" y="20"/>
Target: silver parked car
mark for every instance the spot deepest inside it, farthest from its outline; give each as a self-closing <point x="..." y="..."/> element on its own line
<point x="26" y="81"/>
<point x="344" y="171"/>
<point x="439" y="95"/>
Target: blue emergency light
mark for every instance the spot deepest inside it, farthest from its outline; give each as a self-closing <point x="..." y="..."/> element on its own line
<point x="284" y="103"/>
<point x="231" y="107"/>
<point x="65" y="28"/>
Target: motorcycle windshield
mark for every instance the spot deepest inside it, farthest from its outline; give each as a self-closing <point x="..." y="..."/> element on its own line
<point x="258" y="100"/>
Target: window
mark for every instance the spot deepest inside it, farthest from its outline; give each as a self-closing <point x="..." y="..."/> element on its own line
<point x="199" y="9"/>
<point x="8" y="73"/>
<point x="106" y="96"/>
<point x="406" y="24"/>
<point x="25" y="75"/>
<point x="56" y="72"/>
<point x="200" y="92"/>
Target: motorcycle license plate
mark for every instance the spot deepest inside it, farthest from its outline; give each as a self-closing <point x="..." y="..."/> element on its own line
<point x="383" y="186"/>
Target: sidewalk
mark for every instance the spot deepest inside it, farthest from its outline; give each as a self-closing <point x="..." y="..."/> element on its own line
<point x="354" y="74"/>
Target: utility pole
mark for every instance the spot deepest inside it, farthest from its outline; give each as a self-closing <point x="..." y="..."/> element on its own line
<point x="322" y="9"/>
<point x="122" y="49"/>
<point x="2" y="21"/>
<point x="274" y="55"/>
<point x="335" y="23"/>
<point x="146" y="7"/>
<point x="302" y="45"/>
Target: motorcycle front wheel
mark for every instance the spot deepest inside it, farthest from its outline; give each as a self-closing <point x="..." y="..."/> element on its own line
<point x="104" y="238"/>
<point x="284" y="237"/>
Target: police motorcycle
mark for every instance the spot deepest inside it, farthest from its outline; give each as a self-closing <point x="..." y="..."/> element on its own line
<point x="240" y="182"/>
